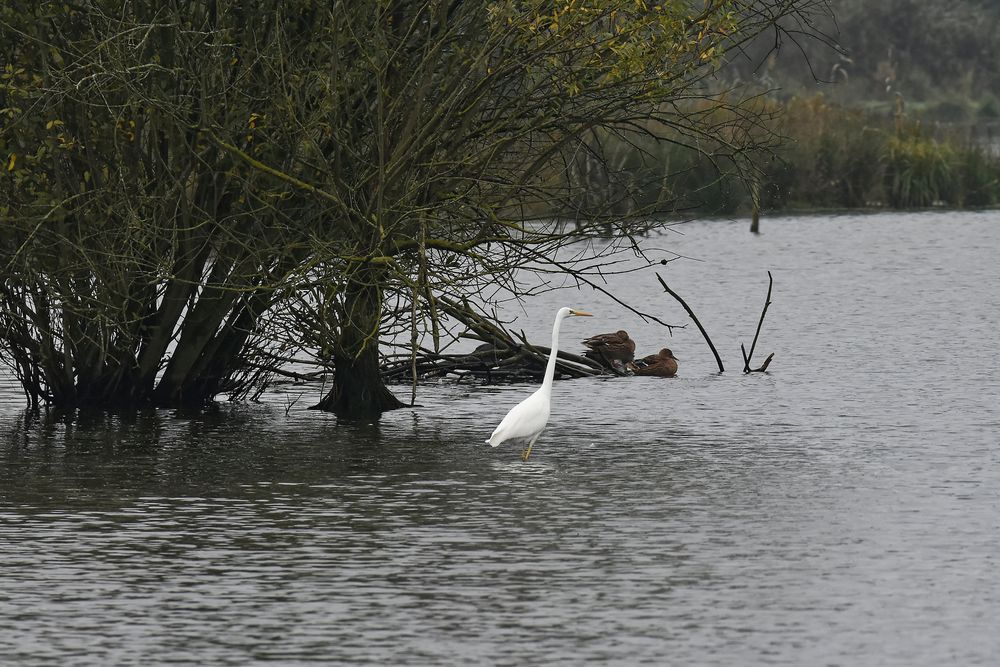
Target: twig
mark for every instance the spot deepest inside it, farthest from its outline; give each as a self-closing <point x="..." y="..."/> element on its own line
<point x="767" y="302"/>
<point x="541" y="355"/>
<point x="581" y="366"/>
<point x="690" y="312"/>
<point x="763" y="366"/>
<point x="301" y="377"/>
<point x="289" y="406"/>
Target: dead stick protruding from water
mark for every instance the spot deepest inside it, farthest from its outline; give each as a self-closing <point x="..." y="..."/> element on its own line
<point x="748" y="357"/>
<point x="695" y="318"/>
<point x="746" y="362"/>
<point x="763" y="366"/>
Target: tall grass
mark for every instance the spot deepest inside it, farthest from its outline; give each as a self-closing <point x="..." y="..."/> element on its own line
<point x="919" y="172"/>
<point x="843" y="158"/>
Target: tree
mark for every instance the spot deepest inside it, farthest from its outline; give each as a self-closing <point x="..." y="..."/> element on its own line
<point x="478" y="117"/>
<point x="195" y="188"/>
<point x="138" y="257"/>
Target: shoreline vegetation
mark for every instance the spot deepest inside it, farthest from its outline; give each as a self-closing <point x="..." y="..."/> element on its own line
<point x="846" y="158"/>
<point x="909" y="118"/>
<point x="830" y="157"/>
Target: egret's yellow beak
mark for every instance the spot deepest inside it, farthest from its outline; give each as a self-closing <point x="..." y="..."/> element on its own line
<point x="579" y="313"/>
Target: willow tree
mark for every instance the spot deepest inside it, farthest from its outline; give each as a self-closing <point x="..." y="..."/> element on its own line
<point x="195" y="186"/>
<point x="138" y="257"/>
<point x="461" y="142"/>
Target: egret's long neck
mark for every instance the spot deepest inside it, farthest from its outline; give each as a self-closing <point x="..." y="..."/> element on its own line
<point x="550" y="369"/>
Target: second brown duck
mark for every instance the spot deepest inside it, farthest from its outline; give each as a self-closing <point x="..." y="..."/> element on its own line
<point x="661" y="364"/>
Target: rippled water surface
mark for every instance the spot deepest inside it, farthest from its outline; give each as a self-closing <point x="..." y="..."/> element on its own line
<point x="842" y="509"/>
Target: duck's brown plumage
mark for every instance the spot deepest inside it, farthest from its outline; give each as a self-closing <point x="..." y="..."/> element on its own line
<point x="609" y="347"/>
<point x="661" y="364"/>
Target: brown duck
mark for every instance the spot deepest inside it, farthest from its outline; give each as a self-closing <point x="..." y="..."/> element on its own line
<point x="609" y="348"/>
<point x="662" y="364"/>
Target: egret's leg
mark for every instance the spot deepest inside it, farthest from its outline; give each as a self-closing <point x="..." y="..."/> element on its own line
<point x="526" y="453"/>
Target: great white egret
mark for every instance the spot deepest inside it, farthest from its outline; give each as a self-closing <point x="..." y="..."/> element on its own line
<point x="661" y="364"/>
<point x="526" y="420"/>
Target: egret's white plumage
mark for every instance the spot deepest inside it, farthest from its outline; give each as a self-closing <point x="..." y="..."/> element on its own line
<point x="526" y="420"/>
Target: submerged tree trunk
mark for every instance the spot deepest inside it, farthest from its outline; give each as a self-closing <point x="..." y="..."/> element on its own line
<point x="358" y="391"/>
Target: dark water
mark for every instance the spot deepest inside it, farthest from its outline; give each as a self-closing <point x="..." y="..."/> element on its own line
<point x="843" y="509"/>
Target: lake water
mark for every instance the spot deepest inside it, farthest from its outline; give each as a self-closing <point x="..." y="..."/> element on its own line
<point x="842" y="509"/>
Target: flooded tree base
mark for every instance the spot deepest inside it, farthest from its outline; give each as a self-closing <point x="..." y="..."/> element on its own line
<point x="359" y="392"/>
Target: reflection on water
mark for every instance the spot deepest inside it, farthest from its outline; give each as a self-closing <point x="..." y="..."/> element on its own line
<point x="841" y="509"/>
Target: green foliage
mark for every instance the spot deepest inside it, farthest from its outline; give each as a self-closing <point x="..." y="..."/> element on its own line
<point x="989" y="109"/>
<point x="121" y="219"/>
<point x="919" y="171"/>
<point x="832" y="158"/>
<point x="843" y="158"/>
<point x="978" y="178"/>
